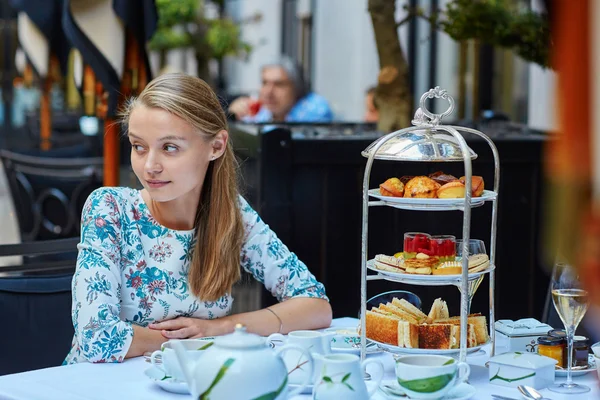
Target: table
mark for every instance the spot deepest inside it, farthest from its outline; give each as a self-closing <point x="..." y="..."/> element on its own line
<point x="127" y="381"/>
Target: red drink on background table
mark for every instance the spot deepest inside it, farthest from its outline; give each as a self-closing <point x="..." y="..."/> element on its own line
<point x="444" y="247"/>
<point x="416" y="242"/>
<point x="254" y="106"/>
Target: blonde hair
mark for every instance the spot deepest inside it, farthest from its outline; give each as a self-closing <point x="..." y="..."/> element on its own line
<point x="215" y="264"/>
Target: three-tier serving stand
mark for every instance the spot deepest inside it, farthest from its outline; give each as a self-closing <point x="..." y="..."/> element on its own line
<point x="429" y="141"/>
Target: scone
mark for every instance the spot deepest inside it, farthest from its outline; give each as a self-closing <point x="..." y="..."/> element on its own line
<point x="421" y="187"/>
<point x="392" y="187"/>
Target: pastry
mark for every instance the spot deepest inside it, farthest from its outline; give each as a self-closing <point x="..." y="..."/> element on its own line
<point x="448" y="268"/>
<point x="442" y="178"/>
<point x="404" y="179"/>
<point x="421" y="187"/>
<point x="477" y="185"/>
<point x="478" y="262"/>
<point x="392" y="187"/>
<point x="451" y="190"/>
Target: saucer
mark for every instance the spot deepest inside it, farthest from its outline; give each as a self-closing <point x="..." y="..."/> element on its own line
<point x="166" y="382"/>
<point x="307" y="389"/>
<point x="581" y="371"/>
<point x="462" y="391"/>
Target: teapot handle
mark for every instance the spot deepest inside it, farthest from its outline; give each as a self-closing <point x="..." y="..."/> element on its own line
<point x="276" y="337"/>
<point x="364" y="364"/>
<point x="311" y="363"/>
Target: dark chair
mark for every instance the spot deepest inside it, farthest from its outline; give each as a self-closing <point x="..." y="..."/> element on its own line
<point x="35" y="305"/>
<point x="49" y="193"/>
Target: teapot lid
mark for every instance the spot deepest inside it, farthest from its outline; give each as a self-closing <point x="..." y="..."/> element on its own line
<point x="240" y="339"/>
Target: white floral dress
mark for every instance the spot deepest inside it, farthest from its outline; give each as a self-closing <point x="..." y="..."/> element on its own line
<point x="132" y="270"/>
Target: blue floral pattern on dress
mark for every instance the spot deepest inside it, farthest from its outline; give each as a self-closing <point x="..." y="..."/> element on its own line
<point x="131" y="270"/>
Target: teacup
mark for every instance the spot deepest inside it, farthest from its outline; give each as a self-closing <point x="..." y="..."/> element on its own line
<point x="317" y="343"/>
<point x="168" y="360"/>
<point x="429" y="376"/>
<point x="344" y="338"/>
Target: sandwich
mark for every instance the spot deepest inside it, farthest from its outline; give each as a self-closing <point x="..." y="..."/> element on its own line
<point x="479" y="323"/>
<point x="411" y="309"/>
<point x="471" y="336"/>
<point x="388" y="328"/>
<point x="382" y="328"/>
<point x="400" y="313"/>
<point x="389" y="263"/>
<point x="437" y="336"/>
<point x="439" y="310"/>
<point x="408" y="335"/>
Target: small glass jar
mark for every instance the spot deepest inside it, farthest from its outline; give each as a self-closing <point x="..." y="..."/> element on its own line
<point x="552" y="347"/>
<point x="444" y="247"/>
<point x="559" y="333"/>
<point x="562" y="334"/>
<point x="581" y="350"/>
<point x="416" y="242"/>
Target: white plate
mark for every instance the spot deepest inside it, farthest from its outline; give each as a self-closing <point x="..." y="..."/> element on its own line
<point x="166" y="383"/>
<point x="417" y="279"/>
<point x="577" y="372"/>
<point x="402" y="350"/>
<point x="462" y="391"/>
<point x="432" y="204"/>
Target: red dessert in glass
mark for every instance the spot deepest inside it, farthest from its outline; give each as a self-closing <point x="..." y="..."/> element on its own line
<point x="444" y="247"/>
<point x="416" y="242"/>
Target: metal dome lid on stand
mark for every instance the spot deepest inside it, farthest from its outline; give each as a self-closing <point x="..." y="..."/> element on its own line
<point x="430" y="141"/>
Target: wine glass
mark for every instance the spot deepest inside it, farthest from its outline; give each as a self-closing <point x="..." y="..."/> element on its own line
<point x="571" y="303"/>
<point x="475" y="246"/>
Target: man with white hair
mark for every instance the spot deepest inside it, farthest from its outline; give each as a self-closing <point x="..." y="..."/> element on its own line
<point x="284" y="97"/>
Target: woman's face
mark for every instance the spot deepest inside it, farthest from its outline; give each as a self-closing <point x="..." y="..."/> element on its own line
<point x="169" y="157"/>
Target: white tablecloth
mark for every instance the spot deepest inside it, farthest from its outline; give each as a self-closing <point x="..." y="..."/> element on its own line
<point x="127" y="381"/>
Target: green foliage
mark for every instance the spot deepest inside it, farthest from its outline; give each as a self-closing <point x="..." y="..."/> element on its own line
<point x="223" y="37"/>
<point x="497" y="23"/>
<point x="215" y="37"/>
<point x="166" y="38"/>
<point x="173" y="12"/>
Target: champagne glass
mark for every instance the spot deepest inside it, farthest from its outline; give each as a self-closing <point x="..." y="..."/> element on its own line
<point x="571" y="303"/>
<point x="475" y="246"/>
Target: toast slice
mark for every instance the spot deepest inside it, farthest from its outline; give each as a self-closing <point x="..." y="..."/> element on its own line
<point x="389" y="307"/>
<point x="479" y="323"/>
<point x="382" y="328"/>
<point x="436" y="336"/>
<point x="411" y="309"/>
<point x="408" y="335"/>
<point x="439" y="310"/>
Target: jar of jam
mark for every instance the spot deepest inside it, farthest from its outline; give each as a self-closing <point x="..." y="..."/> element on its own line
<point x="552" y="347"/>
<point x="562" y="334"/>
<point x="559" y="333"/>
<point x="581" y="350"/>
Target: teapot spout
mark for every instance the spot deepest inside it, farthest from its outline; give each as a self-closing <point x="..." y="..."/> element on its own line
<point x="185" y="363"/>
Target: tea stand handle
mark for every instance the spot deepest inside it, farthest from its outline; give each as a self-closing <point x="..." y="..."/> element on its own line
<point x="363" y="366"/>
<point x="311" y="363"/>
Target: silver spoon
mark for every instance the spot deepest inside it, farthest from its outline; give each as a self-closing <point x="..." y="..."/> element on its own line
<point x="531" y="393"/>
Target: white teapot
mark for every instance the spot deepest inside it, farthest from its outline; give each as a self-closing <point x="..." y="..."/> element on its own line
<point x="239" y="366"/>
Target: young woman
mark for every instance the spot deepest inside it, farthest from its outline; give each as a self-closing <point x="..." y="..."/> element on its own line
<point x="159" y="263"/>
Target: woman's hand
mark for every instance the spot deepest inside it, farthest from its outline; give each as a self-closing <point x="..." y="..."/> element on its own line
<point x="186" y="328"/>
